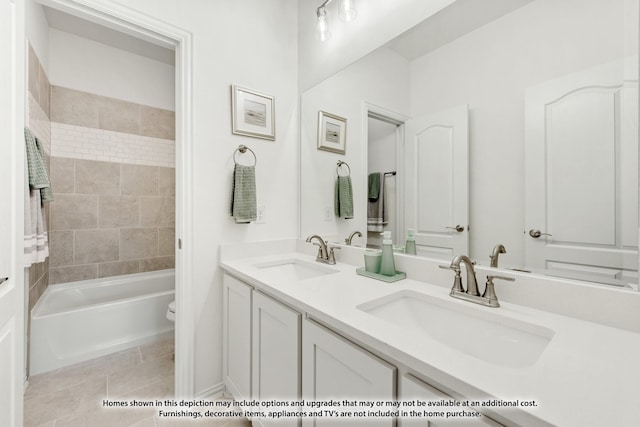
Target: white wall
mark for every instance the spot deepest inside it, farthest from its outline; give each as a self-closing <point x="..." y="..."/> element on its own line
<point x="251" y="43"/>
<point x="82" y="64"/>
<point x="380" y="78"/>
<point x="37" y="30"/>
<point x="489" y="69"/>
<point x="378" y="22"/>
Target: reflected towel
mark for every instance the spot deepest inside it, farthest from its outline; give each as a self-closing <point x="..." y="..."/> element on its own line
<point x="374" y="186"/>
<point x="243" y="194"/>
<point x="343" y="201"/>
<point x="376" y="209"/>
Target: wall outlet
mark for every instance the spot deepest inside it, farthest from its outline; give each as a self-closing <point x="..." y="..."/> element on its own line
<point x="328" y="212"/>
<point x="261" y="215"/>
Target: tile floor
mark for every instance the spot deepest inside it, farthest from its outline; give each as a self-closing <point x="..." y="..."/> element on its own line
<point x="73" y="396"/>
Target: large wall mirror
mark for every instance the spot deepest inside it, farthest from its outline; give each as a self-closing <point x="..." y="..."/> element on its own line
<point x="510" y="122"/>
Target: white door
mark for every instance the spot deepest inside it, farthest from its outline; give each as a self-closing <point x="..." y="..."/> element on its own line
<point x="437" y="182"/>
<point x="276" y="355"/>
<point x="11" y="293"/>
<point x="581" y="161"/>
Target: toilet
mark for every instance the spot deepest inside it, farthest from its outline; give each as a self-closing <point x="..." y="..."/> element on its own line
<point x="171" y="311"/>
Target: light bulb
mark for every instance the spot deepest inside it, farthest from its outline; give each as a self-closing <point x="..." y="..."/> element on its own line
<point x="322" y="29"/>
<point x="347" y="10"/>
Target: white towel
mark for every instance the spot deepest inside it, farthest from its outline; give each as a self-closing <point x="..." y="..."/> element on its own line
<point x="376" y="210"/>
<point x="36" y="245"/>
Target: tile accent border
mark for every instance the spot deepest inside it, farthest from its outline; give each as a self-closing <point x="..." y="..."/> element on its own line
<point x="80" y="142"/>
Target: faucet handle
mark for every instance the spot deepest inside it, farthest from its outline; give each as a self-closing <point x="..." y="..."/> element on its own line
<point x="490" y="292"/>
<point x="457" y="281"/>
<point x="332" y="255"/>
<point x="491" y="277"/>
<point x="450" y="267"/>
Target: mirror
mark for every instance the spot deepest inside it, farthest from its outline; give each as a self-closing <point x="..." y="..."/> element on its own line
<point x="550" y="89"/>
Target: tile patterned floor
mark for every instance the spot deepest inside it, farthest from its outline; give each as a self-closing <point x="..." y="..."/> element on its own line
<point x="73" y="396"/>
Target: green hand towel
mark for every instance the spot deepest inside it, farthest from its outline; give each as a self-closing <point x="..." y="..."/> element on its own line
<point x="37" y="170"/>
<point x="343" y="200"/>
<point x="374" y="186"/>
<point x="243" y="194"/>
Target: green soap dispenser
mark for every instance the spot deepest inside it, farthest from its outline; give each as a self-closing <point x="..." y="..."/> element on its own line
<point x="410" y="246"/>
<point x="387" y="264"/>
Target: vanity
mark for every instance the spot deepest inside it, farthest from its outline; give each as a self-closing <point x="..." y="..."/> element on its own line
<point x="296" y="329"/>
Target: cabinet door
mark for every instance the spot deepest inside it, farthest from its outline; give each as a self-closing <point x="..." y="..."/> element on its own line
<point x="276" y="354"/>
<point x="336" y="369"/>
<point x="236" y="355"/>
<point x="412" y="388"/>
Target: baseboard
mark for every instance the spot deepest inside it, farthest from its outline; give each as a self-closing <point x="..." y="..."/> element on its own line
<point x="214" y="392"/>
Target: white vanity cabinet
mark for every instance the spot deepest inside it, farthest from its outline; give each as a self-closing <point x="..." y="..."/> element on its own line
<point x="276" y="354"/>
<point x="411" y="388"/>
<point x="236" y="359"/>
<point x="336" y="369"/>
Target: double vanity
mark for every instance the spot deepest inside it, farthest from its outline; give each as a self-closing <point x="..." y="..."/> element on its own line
<point x="298" y="329"/>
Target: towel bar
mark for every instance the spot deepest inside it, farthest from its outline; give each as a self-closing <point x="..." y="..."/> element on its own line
<point x="243" y="149"/>
<point x="340" y="163"/>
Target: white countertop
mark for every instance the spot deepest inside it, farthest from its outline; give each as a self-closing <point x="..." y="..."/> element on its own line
<point x="588" y="375"/>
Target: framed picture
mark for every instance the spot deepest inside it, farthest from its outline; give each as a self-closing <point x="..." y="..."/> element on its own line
<point x="253" y="113"/>
<point x="332" y="133"/>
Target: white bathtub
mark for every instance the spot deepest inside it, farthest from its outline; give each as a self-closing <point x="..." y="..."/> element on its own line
<point x="78" y="321"/>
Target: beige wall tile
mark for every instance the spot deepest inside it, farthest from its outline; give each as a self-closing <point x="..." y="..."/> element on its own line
<point x="157" y="122"/>
<point x="118" y="268"/>
<point x="63" y="175"/>
<point x="74" y="107"/>
<point x="34" y="73"/>
<point x="138" y="243"/>
<point x="74" y="211"/>
<point x="45" y="89"/>
<point x="153" y="264"/>
<point x="119" y="116"/>
<point x="97" y="246"/>
<point x="93" y="177"/>
<point x="138" y="180"/>
<point x="157" y="211"/>
<point x="166" y="241"/>
<point x="61" y="248"/>
<point x="166" y="181"/>
<point x="118" y="211"/>
<point x="73" y="273"/>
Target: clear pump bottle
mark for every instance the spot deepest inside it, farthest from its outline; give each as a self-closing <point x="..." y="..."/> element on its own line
<point x="410" y="246"/>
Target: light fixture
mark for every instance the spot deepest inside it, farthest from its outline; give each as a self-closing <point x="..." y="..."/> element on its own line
<point x="347" y="10"/>
<point x="347" y="13"/>
<point x="322" y="29"/>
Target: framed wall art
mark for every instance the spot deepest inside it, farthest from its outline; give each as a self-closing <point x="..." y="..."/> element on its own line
<point x="332" y="133"/>
<point x="253" y="113"/>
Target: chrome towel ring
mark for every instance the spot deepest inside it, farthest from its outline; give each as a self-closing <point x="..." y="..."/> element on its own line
<point x="340" y="163"/>
<point x="243" y="149"/>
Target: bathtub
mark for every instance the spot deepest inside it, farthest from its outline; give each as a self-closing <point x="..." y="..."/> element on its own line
<point x="78" y="321"/>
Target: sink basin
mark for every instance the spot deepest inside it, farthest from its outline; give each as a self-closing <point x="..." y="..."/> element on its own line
<point x="296" y="269"/>
<point x="477" y="332"/>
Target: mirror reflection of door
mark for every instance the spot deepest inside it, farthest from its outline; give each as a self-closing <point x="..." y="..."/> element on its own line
<point x="437" y="182"/>
<point x="582" y="175"/>
<point x="382" y="185"/>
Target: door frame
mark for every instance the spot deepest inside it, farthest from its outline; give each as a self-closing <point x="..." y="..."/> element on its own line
<point x="372" y="110"/>
<point x="144" y="27"/>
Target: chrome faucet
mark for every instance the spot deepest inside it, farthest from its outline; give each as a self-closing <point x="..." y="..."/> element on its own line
<point x="351" y="236"/>
<point x="325" y="254"/>
<point x="497" y="250"/>
<point x="488" y="298"/>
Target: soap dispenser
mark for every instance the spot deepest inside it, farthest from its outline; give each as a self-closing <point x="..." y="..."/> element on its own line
<point x="410" y="246"/>
<point x="387" y="264"/>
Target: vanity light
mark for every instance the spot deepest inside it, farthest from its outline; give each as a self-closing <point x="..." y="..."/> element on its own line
<point x="347" y="13"/>
<point x="322" y="29"/>
<point x="347" y="10"/>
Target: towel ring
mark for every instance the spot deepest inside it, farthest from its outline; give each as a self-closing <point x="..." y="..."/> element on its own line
<point x="340" y="163"/>
<point x="243" y="149"/>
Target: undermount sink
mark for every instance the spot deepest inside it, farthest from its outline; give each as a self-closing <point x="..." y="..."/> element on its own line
<point x="296" y="269"/>
<point x="476" y="332"/>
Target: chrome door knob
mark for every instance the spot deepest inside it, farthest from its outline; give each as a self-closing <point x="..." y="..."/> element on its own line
<point x="537" y="233"/>
<point x="459" y="228"/>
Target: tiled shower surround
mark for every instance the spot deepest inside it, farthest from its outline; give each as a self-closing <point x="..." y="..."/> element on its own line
<point x="114" y="184"/>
